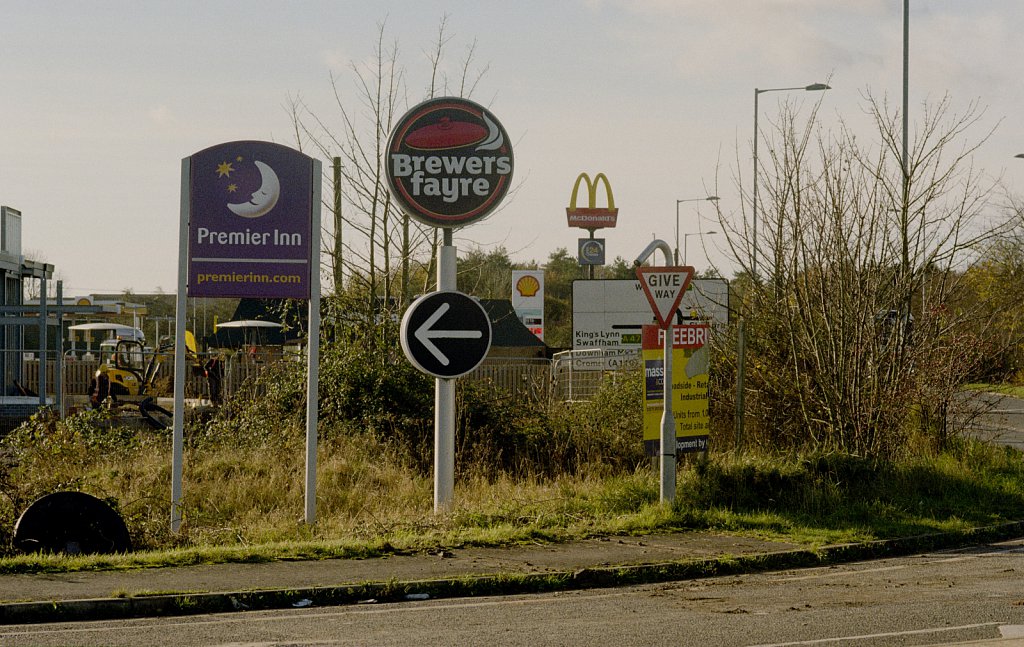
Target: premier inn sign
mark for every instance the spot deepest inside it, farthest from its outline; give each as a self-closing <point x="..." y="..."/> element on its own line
<point x="449" y="162"/>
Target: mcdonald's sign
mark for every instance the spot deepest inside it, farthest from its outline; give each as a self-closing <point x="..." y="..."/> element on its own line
<point x="591" y="216"/>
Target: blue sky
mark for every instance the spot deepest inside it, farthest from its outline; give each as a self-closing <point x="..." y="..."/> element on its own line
<point x="103" y="99"/>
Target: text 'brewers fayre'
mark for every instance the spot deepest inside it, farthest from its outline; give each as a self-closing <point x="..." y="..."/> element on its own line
<point x="449" y="162"/>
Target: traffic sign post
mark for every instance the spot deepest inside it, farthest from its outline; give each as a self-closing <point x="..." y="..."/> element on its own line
<point x="664" y="288"/>
<point x="449" y="163"/>
<point x="445" y="334"/>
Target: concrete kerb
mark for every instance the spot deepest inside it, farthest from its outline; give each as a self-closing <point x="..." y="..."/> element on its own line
<point x="505" y="583"/>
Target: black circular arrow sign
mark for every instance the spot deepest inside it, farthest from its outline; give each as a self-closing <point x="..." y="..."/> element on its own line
<point x="446" y="334"/>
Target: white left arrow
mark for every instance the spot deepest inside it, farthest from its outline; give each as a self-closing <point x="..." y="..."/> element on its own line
<point x="425" y="334"/>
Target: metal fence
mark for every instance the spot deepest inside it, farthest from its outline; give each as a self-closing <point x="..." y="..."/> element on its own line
<point x="577" y="375"/>
<point x="569" y="376"/>
<point x="527" y="379"/>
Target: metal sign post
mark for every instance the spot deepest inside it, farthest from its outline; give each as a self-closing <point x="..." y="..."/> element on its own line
<point x="448" y="163"/>
<point x="664" y="288"/>
<point x="445" y="334"/>
<point x="249" y="228"/>
<point x="667" y="455"/>
<point x="444" y="396"/>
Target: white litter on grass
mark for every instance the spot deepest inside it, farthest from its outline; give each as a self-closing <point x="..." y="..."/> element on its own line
<point x="304" y="602"/>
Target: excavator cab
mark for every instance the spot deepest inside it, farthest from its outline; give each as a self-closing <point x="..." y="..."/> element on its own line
<point x="128" y="374"/>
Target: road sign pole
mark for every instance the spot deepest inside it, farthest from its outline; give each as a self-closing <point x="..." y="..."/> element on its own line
<point x="668" y="427"/>
<point x="664" y="288"/>
<point x="449" y="129"/>
<point x="444" y="395"/>
<point x="313" y="352"/>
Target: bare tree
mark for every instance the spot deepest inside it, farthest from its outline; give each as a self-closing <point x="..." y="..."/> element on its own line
<point x="857" y="340"/>
<point x="380" y="237"/>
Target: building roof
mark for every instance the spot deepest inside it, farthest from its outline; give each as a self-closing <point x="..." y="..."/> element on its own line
<point x="507" y="331"/>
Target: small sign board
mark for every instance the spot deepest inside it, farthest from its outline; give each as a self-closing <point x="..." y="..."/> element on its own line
<point x="591" y="251"/>
<point x="446" y="334"/>
<point x="689" y="392"/>
<point x="591" y="216"/>
<point x="528" y="299"/>
<point x="664" y="288"/>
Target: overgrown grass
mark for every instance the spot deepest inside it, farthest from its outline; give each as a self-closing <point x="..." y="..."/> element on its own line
<point x="524" y="475"/>
<point x="244" y="504"/>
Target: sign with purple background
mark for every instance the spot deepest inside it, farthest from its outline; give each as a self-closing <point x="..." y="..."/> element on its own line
<point x="249" y="226"/>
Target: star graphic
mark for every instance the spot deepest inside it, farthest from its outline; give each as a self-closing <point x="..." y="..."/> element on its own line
<point x="232" y="188"/>
<point x="225" y="169"/>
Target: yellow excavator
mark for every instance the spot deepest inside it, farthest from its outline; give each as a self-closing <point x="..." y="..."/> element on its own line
<point x="126" y="376"/>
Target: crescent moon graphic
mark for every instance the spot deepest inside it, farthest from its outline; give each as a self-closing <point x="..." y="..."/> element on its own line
<point x="263" y="199"/>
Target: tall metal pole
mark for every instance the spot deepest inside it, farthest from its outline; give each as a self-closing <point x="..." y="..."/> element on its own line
<point x="757" y="93"/>
<point x="180" y="313"/>
<point x="814" y="87"/>
<point x="668" y="423"/>
<point x="906" y="77"/>
<point x="313" y="349"/>
<point x="905" y="167"/>
<point x="741" y="367"/>
<point x="675" y="260"/>
<point x="444" y="396"/>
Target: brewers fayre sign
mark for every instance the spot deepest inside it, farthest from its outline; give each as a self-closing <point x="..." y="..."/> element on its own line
<point x="591" y="216"/>
<point x="449" y="162"/>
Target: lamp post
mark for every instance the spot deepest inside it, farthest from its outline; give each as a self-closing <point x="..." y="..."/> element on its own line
<point x="710" y="198"/>
<point x="685" y="236"/>
<point x="814" y="87"/>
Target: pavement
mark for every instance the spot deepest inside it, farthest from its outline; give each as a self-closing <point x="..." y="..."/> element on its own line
<point x="461" y="572"/>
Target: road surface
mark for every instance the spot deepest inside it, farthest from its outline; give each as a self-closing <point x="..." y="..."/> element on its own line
<point x="939" y="598"/>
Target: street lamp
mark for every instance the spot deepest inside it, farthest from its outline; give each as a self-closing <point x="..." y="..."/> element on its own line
<point x="814" y="87"/>
<point x="710" y="198"/>
<point x="685" y="236"/>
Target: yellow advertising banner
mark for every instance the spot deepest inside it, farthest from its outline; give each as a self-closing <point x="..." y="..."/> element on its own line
<point x="690" y="367"/>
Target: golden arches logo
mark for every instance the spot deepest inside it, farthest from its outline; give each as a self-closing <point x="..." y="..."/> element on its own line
<point x="591" y="216"/>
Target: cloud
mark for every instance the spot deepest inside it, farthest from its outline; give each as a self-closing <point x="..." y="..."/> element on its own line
<point x="161" y="115"/>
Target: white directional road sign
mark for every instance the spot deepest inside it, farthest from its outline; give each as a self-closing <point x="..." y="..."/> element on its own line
<point x="446" y="334"/>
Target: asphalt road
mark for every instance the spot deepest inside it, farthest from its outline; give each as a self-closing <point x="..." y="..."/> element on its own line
<point x="941" y="598"/>
<point x="997" y="418"/>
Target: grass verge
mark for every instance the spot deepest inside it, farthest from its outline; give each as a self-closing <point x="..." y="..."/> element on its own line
<point x="370" y="504"/>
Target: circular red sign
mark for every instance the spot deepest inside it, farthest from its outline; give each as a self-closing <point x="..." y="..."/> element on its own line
<point x="449" y="162"/>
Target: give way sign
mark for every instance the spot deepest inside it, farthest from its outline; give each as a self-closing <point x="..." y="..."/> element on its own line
<point x="664" y="288"/>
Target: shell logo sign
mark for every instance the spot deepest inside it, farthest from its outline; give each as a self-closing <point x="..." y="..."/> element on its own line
<point x="528" y="285"/>
<point x="592" y="216"/>
<point x="528" y="299"/>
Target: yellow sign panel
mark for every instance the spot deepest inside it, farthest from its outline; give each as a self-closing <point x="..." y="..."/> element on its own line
<point x="591" y="216"/>
<point x="690" y="368"/>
